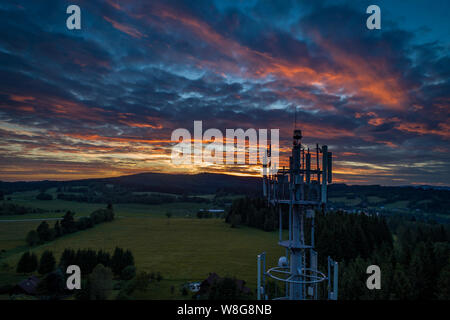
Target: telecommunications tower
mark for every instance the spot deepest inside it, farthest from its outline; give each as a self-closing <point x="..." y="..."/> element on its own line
<point x="300" y="192"/>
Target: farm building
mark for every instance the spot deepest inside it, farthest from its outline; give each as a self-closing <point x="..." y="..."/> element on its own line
<point x="27" y="286"/>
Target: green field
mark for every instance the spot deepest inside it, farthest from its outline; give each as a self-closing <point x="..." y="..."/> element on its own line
<point x="181" y="248"/>
<point x="12" y="234"/>
<point x="347" y="201"/>
<point x="374" y="199"/>
<point x="372" y="202"/>
<point x="57" y="208"/>
<point x="398" y="205"/>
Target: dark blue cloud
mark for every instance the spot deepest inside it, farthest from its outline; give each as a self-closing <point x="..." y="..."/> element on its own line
<point x="137" y="70"/>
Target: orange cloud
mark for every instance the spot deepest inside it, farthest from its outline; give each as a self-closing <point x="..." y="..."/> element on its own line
<point x="124" y="28"/>
<point x="443" y="129"/>
<point x="96" y="137"/>
<point x="358" y="76"/>
<point x="19" y="98"/>
<point x="114" y="4"/>
<point x="140" y="125"/>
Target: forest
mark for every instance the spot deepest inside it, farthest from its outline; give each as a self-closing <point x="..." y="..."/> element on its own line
<point x="414" y="256"/>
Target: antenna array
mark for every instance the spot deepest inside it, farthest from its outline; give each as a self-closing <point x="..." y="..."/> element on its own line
<point x="299" y="191"/>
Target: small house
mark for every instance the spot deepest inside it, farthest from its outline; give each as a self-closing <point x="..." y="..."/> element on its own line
<point x="27" y="286"/>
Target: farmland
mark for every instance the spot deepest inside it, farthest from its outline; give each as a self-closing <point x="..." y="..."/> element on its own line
<point x="182" y="248"/>
<point x="168" y="238"/>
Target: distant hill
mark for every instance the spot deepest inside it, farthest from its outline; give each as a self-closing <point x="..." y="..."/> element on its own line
<point x="203" y="183"/>
<point x="406" y="198"/>
<point x="418" y="198"/>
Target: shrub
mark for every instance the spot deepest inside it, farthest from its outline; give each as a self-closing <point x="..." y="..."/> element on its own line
<point x="100" y="283"/>
<point x="128" y="273"/>
<point x="44" y="196"/>
<point x="84" y="223"/>
<point x="141" y="281"/>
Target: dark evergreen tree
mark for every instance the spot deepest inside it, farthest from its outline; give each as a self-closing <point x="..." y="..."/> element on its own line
<point x="117" y="261"/>
<point x="87" y="260"/>
<point x="128" y="258"/>
<point x="352" y="280"/>
<point x="58" y="230"/>
<point x="104" y="258"/>
<point x="47" y="263"/>
<point x="401" y="285"/>
<point x="68" y="257"/>
<point x="23" y="264"/>
<point x="28" y="263"/>
<point x="44" y="232"/>
<point x="68" y="223"/>
<point x="443" y="283"/>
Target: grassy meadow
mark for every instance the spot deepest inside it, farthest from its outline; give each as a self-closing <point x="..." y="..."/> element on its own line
<point x="182" y="248"/>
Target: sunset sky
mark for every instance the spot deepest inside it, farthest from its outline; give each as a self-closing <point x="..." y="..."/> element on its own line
<point x="103" y="101"/>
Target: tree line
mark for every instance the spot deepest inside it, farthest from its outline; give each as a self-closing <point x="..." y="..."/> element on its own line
<point x="68" y="224"/>
<point x="121" y="261"/>
<point x="252" y="212"/>
<point x="118" y="194"/>
<point x="15" y="209"/>
<point x="98" y="268"/>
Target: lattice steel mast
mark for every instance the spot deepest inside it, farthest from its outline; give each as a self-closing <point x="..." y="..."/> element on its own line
<point x="301" y="190"/>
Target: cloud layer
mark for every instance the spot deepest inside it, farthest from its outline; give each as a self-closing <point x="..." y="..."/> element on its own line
<point x="103" y="100"/>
